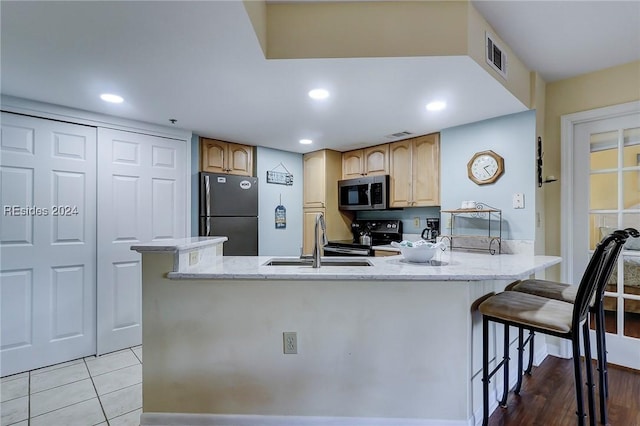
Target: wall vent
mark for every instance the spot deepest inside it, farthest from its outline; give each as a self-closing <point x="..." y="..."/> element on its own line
<point x="398" y="135"/>
<point x="496" y="56"/>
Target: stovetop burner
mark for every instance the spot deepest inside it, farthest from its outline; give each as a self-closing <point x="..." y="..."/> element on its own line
<point x="382" y="232"/>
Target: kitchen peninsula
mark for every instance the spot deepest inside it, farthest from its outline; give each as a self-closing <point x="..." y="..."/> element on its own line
<point x="393" y="343"/>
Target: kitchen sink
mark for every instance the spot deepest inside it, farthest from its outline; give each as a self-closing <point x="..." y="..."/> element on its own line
<point x="324" y="262"/>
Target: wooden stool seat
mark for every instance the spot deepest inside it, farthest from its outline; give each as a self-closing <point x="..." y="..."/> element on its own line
<point x="544" y="288"/>
<point x="529" y="310"/>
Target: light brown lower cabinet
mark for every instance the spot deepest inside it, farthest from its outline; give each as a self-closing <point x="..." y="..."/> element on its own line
<point x="382" y="253"/>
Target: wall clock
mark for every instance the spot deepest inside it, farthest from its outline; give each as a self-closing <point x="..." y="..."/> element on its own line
<point x="485" y="167"/>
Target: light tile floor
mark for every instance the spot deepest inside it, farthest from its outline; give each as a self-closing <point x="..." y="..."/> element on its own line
<point x="105" y="390"/>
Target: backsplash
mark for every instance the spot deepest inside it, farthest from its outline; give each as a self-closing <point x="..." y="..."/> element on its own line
<point x="405" y="215"/>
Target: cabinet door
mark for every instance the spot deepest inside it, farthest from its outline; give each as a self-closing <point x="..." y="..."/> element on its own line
<point x="384" y="253"/>
<point x="352" y="164"/>
<point x="213" y="155"/>
<point x="308" y="227"/>
<point x="376" y="160"/>
<point x="239" y="160"/>
<point x="314" y="179"/>
<point x="400" y="171"/>
<point x="426" y="171"/>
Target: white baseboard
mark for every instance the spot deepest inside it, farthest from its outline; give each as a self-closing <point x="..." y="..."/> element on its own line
<point x="540" y="352"/>
<point x="559" y="348"/>
<point x="186" y="419"/>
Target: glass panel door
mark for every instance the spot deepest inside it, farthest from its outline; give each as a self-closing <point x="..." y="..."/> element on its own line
<point x="614" y="203"/>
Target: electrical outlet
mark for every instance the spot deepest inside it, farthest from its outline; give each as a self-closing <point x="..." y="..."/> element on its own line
<point x="194" y="257"/>
<point x="290" y="342"/>
<point x="416" y="222"/>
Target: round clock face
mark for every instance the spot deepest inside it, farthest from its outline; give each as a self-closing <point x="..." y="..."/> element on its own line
<point x="485" y="167"/>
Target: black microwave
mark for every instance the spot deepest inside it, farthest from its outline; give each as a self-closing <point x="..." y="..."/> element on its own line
<point x="365" y="193"/>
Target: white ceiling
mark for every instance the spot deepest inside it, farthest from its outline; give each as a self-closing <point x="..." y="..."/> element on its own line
<point x="200" y="63"/>
<point x="562" y="39"/>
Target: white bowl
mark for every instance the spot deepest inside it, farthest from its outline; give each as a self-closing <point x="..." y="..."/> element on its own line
<point x="418" y="253"/>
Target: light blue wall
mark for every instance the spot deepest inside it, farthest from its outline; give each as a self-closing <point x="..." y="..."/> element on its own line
<point x="511" y="136"/>
<point x="272" y="241"/>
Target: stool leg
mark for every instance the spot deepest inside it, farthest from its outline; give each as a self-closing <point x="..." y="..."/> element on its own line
<point x="603" y="341"/>
<point x="505" y="387"/>
<point x="589" y="373"/>
<point x="577" y="373"/>
<point x="520" y="351"/>
<point x="485" y="371"/>
<point x="602" y="364"/>
<point x="530" y="365"/>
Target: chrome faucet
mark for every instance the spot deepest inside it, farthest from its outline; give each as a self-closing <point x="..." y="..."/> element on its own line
<point x="317" y="248"/>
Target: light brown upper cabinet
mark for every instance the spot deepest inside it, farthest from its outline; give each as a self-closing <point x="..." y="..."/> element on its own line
<point x="315" y="179"/>
<point x="226" y="157"/>
<point x="414" y="166"/>
<point x="366" y="162"/>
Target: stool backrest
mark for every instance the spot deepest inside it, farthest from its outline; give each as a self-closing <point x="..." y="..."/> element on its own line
<point x="597" y="274"/>
<point x="609" y="267"/>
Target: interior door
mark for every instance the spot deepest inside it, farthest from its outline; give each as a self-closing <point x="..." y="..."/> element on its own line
<point x="48" y="242"/>
<point x="142" y="189"/>
<point x="606" y="175"/>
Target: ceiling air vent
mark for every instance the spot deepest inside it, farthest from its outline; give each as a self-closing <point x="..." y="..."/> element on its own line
<point x="398" y="135"/>
<point x="496" y="56"/>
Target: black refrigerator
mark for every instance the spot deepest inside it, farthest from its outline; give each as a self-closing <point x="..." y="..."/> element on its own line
<point x="229" y="208"/>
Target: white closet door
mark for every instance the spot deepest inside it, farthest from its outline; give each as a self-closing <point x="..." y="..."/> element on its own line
<point x="142" y="186"/>
<point x="47" y="243"/>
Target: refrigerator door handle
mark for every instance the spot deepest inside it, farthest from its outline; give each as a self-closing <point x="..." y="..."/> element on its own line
<point x="207" y="203"/>
<point x="207" y="195"/>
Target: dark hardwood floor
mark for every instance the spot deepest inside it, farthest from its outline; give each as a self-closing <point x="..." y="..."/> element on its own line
<point x="547" y="397"/>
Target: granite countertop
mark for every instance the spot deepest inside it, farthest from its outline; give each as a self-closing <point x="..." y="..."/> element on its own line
<point x="176" y="245"/>
<point x="445" y="266"/>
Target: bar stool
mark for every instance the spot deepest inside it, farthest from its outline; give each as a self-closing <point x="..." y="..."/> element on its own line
<point x="567" y="293"/>
<point x="552" y="317"/>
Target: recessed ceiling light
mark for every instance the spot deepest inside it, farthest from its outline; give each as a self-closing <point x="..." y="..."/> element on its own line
<point x="306" y="141"/>
<point x="319" y="94"/>
<point x="114" y="99"/>
<point x="436" y="106"/>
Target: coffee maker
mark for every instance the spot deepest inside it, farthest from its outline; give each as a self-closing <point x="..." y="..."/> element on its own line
<point x="431" y="232"/>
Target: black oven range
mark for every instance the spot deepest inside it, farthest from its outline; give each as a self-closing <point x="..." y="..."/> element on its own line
<point x="366" y="233"/>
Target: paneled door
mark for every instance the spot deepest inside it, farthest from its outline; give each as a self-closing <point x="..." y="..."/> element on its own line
<point x="142" y="186"/>
<point x="606" y="196"/>
<point x="47" y="243"/>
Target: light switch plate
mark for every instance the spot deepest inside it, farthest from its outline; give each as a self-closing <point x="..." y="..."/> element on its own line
<point x="518" y="200"/>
